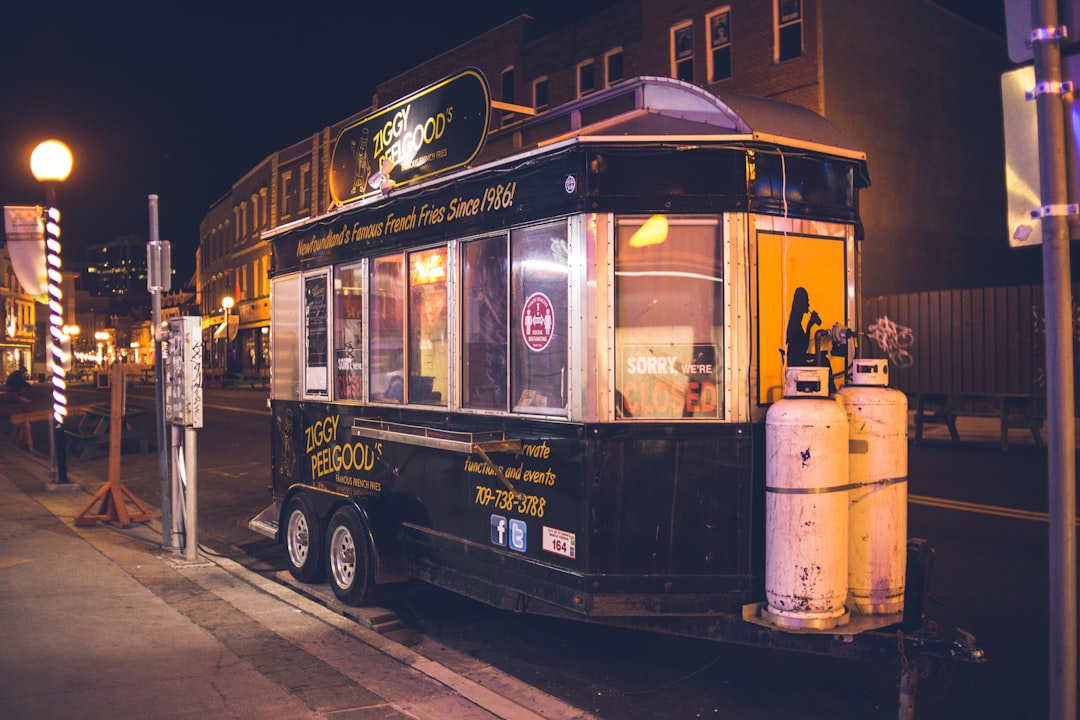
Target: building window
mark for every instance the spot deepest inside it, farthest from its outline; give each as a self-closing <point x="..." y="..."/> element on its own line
<point x="586" y="78"/>
<point x="788" y="29"/>
<point x="507" y="94"/>
<point x="305" y="181"/>
<point x="540" y="93"/>
<point x="719" y="24"/>
<point x="286" y="176"/>
<point x="613" y="67"/>
<point x="682" y="51"/>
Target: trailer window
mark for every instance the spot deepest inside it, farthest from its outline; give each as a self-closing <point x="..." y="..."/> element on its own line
<point x="428" y="364"/>
<point x="316" y="356"/>
<point x="387" y="331"/>
<point x="669" y="317"/>
<point x="538" y="319"/>
<point x="484" y="278"/>
<point x="349" y="332"/>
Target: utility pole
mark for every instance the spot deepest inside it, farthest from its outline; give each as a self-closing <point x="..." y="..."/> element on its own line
<point x="1049" y="95"/>
<point x="158" y="280"/>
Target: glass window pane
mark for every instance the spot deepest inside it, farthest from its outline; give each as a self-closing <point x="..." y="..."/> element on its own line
<point x="349" y="332"/>
<point x="484" y="275"/>
<point x="669" y="317"/>
<point x="538" y="317"/>
<point x="315" y="340"/>
<point x="428" y="364"/>
<point x="387" y="332"/>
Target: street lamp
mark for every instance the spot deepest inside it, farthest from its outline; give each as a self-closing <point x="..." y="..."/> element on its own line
<point x="227" y="303"/>
<point x="102" y="338"/>
<point x="70" y="333"/>
<point x="50" y="162"/>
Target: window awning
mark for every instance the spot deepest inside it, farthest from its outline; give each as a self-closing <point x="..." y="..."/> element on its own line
<point x="234" y="325"/>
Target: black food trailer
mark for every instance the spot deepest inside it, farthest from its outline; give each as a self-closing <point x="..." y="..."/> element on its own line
<point x="533" y="365"/>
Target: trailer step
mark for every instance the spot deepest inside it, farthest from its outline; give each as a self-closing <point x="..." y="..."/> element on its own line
<point x="266" y="522"/>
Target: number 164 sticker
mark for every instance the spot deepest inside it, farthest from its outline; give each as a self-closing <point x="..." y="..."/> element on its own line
<point x="560" y="542"/>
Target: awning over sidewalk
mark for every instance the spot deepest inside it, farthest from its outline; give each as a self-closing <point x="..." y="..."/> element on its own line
<point x="234" y="325"/>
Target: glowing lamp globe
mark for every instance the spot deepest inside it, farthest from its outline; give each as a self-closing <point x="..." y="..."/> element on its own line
<point x="51" y="161"/>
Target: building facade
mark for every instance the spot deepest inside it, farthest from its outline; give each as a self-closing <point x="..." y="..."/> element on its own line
<point x="19" y="314"/>
<point x="916" y="86"/>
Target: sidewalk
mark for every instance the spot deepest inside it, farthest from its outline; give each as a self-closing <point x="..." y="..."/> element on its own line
<point x="99" y="622"/>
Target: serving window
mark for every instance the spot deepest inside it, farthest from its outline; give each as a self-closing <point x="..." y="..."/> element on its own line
<point x="514" y="294"/>
<point x="485" y="273"/>
<point x="539" y="293"/>
<point x="349" y="332"/>
<point x="428" y="342"/>
<point x="387" y="329"/>
<point x="669" y="300"/>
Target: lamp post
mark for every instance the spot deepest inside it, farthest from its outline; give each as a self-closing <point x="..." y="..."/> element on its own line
<point x="227" y="303"/>
<point x="102" y="338"/>
<point x="50" y="162"/>
<point x="71" y="332"/>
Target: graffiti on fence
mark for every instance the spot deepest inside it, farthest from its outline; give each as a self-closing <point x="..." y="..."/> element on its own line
<point x="894" y="340"/>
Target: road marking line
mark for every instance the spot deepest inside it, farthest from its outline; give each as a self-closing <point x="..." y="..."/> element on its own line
<point x="981" y="509"/>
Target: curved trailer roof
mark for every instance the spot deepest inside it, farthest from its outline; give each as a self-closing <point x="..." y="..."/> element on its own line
<point x="669" y="110"/>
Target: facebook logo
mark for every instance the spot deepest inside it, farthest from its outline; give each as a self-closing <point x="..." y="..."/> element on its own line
<point x="518" y="535"/>
<point x="498" y="530"/>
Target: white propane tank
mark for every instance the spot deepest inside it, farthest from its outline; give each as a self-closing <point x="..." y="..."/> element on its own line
<point x="878" y="468"/>
<point x="806" y="504"/>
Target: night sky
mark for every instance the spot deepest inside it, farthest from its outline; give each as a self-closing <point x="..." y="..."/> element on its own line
<point x="183" y="102"/>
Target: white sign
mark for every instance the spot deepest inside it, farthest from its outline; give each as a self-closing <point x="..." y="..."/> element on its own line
<point x="1022" y="181"/>
<point x="25" y="233"/>
<point x="183" y="372"/>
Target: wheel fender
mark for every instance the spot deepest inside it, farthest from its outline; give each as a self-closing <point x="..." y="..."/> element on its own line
<point x="325" y="503"/>
<point x="383" y="521"/>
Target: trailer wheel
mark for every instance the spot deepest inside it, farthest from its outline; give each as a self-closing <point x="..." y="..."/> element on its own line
<point x="303" y="540"/>
<point x="350" y="557"/>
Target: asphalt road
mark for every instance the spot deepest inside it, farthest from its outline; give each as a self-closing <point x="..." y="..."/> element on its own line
<point x="982" y="508"/>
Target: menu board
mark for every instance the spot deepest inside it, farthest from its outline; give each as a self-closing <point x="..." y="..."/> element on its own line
<point x="315" y="293"/>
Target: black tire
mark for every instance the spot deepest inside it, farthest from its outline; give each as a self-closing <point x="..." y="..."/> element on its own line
<point x="350" y="557"/>
<point x="303" y="540"/>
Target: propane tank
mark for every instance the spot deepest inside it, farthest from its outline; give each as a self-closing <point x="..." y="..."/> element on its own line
<point x="806" y="504"/>
<point x="877" y="470"/>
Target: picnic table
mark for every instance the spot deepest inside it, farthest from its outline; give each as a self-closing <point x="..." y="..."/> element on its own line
<point x="94" y="428"/>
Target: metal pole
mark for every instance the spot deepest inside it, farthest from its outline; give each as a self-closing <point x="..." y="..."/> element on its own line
<point x="56" y="324"/>
<point x="178" y="489"/>
<point x="191" y="499"/>
<point x="159" y="397"/>
<point x="1061" y="416"/>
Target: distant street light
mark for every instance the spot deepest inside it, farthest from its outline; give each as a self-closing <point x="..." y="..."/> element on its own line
<point x="50" y="162"/>
<point x="227" y="303"/>
<point x="102" y="338"/>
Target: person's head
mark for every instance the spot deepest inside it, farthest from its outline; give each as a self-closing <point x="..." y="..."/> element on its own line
<point x="800" y="302"/>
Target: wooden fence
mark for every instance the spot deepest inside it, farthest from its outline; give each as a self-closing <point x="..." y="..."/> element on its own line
<point x="977" y="340"/>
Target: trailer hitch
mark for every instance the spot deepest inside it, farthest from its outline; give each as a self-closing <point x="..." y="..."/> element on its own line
<point x="962" y="648"/>
<point x="929" y="650"/>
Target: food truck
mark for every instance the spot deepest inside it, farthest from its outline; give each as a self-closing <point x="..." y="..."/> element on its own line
<point x="535" y="366"/>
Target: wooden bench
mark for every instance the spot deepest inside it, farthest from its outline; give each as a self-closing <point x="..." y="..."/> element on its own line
<point x="1013" y="410"/>
<point x="20" y="423"/>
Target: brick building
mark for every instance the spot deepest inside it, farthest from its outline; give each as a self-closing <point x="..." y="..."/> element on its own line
<point x="916" y="86"/>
